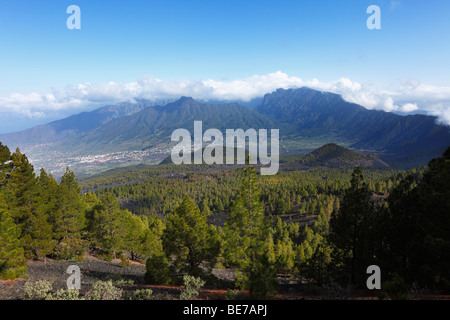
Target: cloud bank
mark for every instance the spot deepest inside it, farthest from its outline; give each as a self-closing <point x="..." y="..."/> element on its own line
<point x="408" y="97"/>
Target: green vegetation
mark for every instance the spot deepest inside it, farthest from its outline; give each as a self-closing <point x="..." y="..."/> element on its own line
<point x="248" y="240"/>
<point x="158" y="270"/>
<point x="105" y="290"/>
<point x="42" y="218"/>
<point x="37" y="290"/>
<point x="351" y="228"/>
<point x="189" y="239"/>
<point x="12" y="259"/>
<point x="320" y="226"/>
<point x="159" y="190"/>
<point x="191" y="287"/>
<point x="101" y="290"/>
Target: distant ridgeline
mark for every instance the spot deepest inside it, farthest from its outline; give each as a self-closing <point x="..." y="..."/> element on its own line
<point x="307" y="119"/>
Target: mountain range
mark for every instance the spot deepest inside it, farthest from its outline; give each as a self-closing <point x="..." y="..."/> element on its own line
<point x="74" y="125"/>
<point x="154" y="125"/>
<point x="306" y="118"/>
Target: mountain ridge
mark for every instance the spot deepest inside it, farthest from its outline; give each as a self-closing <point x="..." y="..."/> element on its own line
<point x="390" y="134"/>
<point x="155" y="124"/>
<point x="73" y="125"/>
<point x="306" y="119"/>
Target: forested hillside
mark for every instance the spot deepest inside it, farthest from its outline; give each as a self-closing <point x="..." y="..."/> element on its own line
<point x="334" y="155"/>
<point x="319" y="226"/>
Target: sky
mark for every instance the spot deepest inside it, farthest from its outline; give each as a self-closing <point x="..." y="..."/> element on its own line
<point x="213" y="49"/>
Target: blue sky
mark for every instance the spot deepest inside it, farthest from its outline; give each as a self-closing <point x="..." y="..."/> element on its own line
<point x="173" y="41"/>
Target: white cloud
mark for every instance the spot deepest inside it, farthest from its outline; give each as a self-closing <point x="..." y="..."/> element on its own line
<point x="389" y="105"/>
<point x="409" y="96"/>
<point x="409" y="107"/>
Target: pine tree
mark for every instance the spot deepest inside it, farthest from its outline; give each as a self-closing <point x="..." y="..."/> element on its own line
<point x="246" y="232"/>
<point x="348" y="229"/>
<point x="108" y="229"/>
<point x="321" y="225"/>
<point x="418" y="226"/>
<point x="285" y="254"/>
<point x="189" y="239"/>
<point x="68" y="219"/>
<point x="12" y="259"/>
<point x="19" y="187"/>
<point x="310" y="241"/>
<point x="138" y="239"/>
<point x="319" y="265"/>
<point x="90" y="201"/>
<point x="284" y="251"/>
<point x="151" y="243"/>
<point x="6" y="164"/>
<point x="37" y="230"/>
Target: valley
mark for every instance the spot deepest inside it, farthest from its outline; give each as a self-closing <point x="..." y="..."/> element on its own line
<point x="130" y="134"/>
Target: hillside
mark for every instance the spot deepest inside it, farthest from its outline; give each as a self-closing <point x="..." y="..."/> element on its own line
<point x="334" y="155"/>
<point x="72" y="126"/>
<point x="154" y="125"/>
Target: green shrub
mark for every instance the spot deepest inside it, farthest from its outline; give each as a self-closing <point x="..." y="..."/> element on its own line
<point x="338" y="291"/>
<point x="123" y="282"/>
<point x="124" y="261"/>
<point x="191" y="287"/>
<point x="70" y="294"/>
<point x="157" y="270"/>
<point x="396" y="289"/>
<point x="142" y="294"/>
<point x="105" y="290"/>
<point x="37" y="290"/>
<point x="231" y="294"/>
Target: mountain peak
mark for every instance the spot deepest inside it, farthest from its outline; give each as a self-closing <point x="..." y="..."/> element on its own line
<point x="304" y="93"/>
<point x="186" y="101"/>
<point x="185" y="98"/>
<point x="183" y="103"/>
